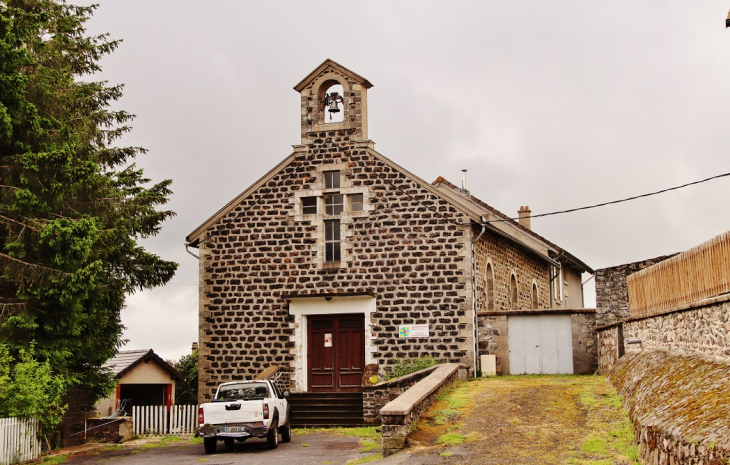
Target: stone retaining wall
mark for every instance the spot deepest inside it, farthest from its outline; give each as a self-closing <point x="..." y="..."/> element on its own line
<point x="678" y="404"/>
<point x="402" y="413"/>
<point x="376" y="396"/>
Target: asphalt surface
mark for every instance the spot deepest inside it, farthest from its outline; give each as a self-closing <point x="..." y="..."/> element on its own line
<point x="306" y="449"/>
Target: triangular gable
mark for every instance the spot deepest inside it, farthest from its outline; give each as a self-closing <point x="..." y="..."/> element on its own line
<point x="331" y="64"/>
<point x="461" y="205"/>
<point x="125" y="361"/>
<point x="193" y="238"/>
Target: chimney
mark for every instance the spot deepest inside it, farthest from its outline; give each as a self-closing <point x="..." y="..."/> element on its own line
<point x="195" y="346"/>
<point x="463" y="189"/>
<point x="524" y="215"/>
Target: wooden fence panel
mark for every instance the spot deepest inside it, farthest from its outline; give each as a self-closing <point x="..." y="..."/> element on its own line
<point x="699" y="273"/>
<point x="18" y="440"/>
<point x="156" y="420"/>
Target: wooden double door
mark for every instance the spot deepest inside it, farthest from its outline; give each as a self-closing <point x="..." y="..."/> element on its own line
<point x="336" y="352"/>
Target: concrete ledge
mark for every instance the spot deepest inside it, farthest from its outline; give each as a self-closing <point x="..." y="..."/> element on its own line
<point x="405" y="403"/>
<point x="401" y="413"/>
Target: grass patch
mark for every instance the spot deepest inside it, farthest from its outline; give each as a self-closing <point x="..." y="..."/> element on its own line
<point x="369" y="458"/>
<point x="304" y="444"/>
<point x="197" y="440"/>
<point x="55" y="459"/>
<point x="366" y="445"/>
<point x="456" y="397"/>
<point x="451" y="439"/>
<point x="117" y="447"/>
<point x="446" y="454"/>
<point x="594" y="446"/>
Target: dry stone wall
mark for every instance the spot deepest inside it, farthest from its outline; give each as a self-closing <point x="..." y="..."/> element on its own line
<point x="679" y="406"/>
<point x="412" y="255"/>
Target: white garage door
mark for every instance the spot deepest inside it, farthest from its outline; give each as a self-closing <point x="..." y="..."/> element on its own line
<point x="540" y="344"/>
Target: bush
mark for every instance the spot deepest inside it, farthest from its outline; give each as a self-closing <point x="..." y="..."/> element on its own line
<point x="407" y="366"/>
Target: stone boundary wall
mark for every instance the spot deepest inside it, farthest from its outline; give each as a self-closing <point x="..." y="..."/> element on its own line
<point x="678" y="404"/>
<point x="612" y="292"/>
<point x="702" y="327"/>
<point x="610" y="347"/>
<point x="400" y="414"/>
<point x="376" y="396"/>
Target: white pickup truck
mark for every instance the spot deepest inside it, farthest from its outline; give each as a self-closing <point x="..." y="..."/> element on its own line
<point x="244" y="409"/>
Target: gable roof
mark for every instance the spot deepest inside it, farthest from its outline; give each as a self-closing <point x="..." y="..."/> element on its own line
<point x="331" y="64"/>
<point x="470" y="209"/>
<point x="505" y="223"/>
<point x="124" y="361"/>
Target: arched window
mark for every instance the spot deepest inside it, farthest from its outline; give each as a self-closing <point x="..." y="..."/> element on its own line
<point x="335" y="95"/>
<point x="534" y="295"/>
<point x="489" y="289"/>
<point x="513" y="291"/>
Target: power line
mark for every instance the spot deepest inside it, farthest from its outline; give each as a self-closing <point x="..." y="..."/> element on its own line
<point x="616" y="201"/>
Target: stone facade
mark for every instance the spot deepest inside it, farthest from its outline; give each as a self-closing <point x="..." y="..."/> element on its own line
<point x="407" y="247"/>
<point x="612" y="294"/>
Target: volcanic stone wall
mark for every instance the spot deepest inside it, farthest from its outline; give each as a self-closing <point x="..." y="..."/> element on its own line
<point x="410" y="250"/>
<point x="505" y="259"/>
<point x="612" y="292"/>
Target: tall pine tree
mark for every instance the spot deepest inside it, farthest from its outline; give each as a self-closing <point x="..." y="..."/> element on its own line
<point x="72" y="204"/>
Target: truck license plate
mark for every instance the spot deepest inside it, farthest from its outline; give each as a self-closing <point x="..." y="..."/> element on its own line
<point x="232" y="429"/>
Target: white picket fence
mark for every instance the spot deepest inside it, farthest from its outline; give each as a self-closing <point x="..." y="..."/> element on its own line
<point x="181" y="420"/>
<point x="18" y="440"/>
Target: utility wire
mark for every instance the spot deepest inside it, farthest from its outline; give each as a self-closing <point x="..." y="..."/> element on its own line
<point x="571" y="210"/>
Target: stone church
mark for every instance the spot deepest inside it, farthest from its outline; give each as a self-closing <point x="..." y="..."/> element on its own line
<point x="338" y="259"/>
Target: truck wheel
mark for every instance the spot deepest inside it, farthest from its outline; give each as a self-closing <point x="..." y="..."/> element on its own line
<point x="210" y="445"/>
<point x="273" y="437"/>
<point x="286" y="431"/>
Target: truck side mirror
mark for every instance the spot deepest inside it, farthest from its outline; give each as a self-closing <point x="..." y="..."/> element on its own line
<point x="285" y="393"/>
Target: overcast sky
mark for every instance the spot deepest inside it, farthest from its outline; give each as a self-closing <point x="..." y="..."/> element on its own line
<point x="554" y="105"/>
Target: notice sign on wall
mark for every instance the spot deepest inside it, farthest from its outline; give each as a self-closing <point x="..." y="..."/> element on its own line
<point x="328" y="339"/>
<point x="413" y="331"/>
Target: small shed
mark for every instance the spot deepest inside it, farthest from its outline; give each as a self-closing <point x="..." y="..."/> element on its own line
<point x="144" y="379"/>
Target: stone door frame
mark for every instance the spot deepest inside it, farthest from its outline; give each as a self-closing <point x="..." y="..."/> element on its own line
<point x="302" y="307"/>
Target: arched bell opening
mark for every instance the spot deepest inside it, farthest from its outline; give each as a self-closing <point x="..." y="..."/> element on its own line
<point x="333" y="103"/>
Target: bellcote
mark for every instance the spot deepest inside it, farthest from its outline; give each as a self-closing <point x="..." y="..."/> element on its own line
<point x="353" y="104"/>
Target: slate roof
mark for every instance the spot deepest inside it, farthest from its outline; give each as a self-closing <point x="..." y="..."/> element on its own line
<point x="126" y="360"/>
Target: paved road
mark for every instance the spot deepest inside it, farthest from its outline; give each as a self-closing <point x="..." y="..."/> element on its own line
<point x="307" y="449"/>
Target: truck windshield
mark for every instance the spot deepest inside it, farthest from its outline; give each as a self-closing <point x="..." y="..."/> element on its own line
<point x="243" y="391"/>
